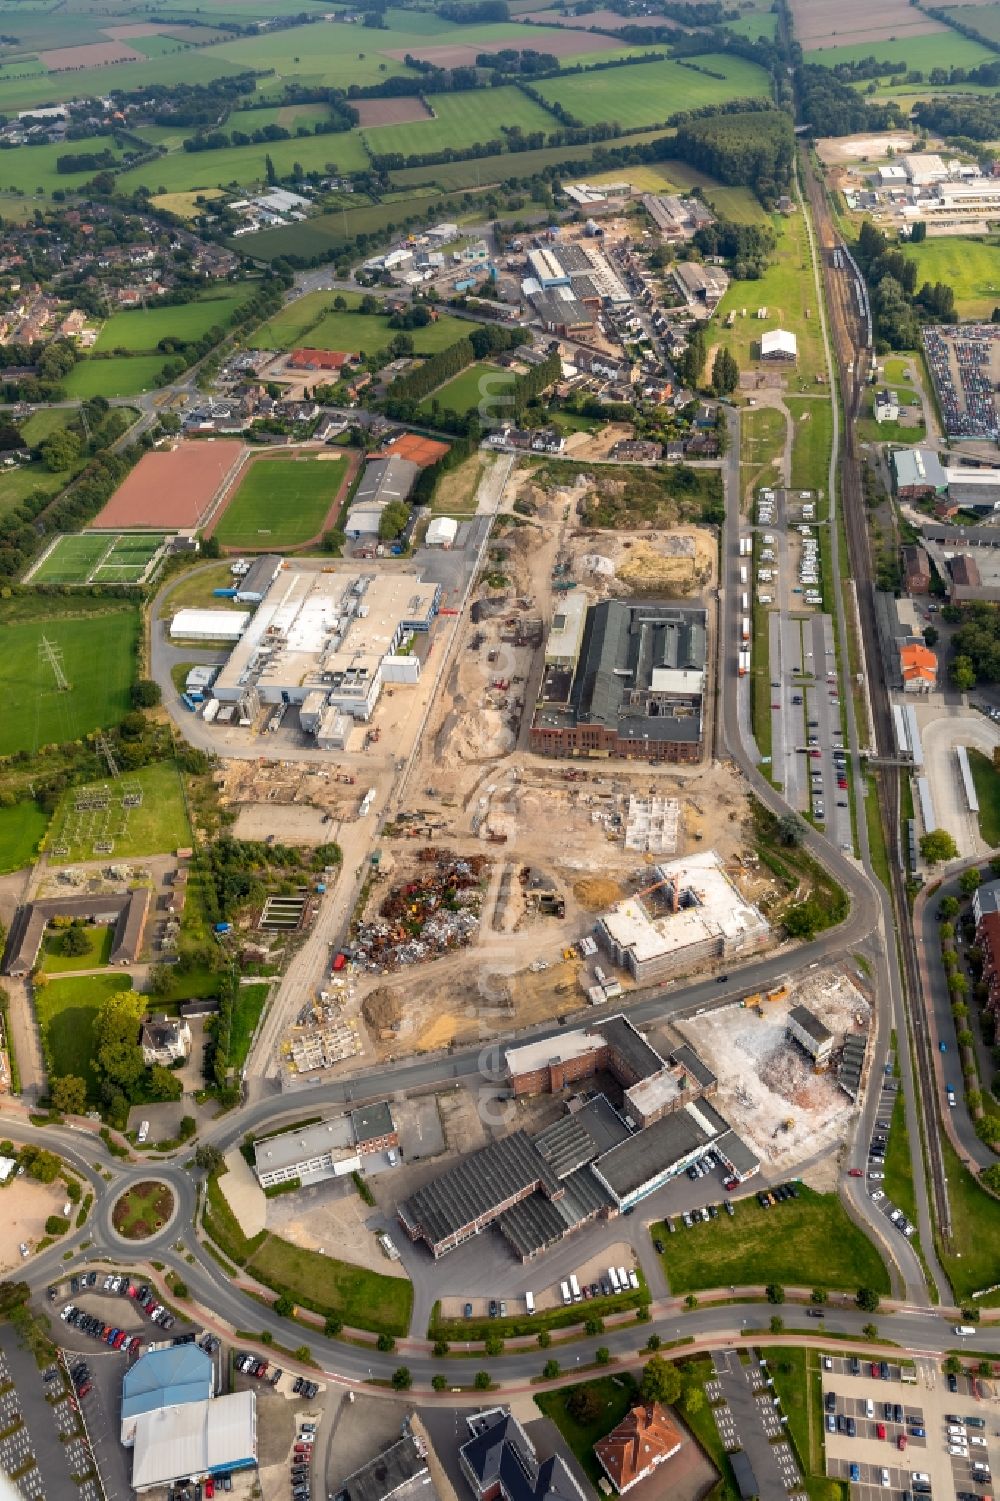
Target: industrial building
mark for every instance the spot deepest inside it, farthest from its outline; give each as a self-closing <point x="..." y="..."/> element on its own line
<point x="596" y="1160"/>
<point x="691" y="912"/>
<point x="918" y="473"/>
<point x="258" y="579"/>
<point x="815" y="1040"/>
<point x="703" y="287"/>
<point x="176" y="1428"/>
<point x="677" y="218"/>
<point x="327" y="1149"/>
<point x="636" y="688"/>
<point x="333" y="632"/>
<point x="124" y="912"/>
<point x="209" y="625"/>
<point x="384" y="481"/>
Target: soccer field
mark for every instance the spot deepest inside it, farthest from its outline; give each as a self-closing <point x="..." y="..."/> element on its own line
<point x="475" y="384"/>
<point x="280" y="503"/>
<point x="98" y="558"/>
<point x="98" y="657"/>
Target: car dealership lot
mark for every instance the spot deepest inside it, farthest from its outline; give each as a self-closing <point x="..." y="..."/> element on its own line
<point x="924" y="1404"/>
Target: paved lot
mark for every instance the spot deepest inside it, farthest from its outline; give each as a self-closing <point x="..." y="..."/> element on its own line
<point x="925" y="1404"/>
<point x="748" y="1418"/>
<point x="941" y="731"/>
<point x="40" y="1461"/>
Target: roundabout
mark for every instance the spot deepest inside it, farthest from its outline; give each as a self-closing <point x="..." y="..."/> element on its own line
<point x="144" y="1211"/>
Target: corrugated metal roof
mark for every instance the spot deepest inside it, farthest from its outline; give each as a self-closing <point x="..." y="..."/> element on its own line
<point x="199" y="1438"/>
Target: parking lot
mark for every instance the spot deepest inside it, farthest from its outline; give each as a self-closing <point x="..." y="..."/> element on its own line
<point x="748" y="1418"/>
<point x="44" y="1445"/>
<point x="881" y="1131"/>
<point x="894" y="1439"/>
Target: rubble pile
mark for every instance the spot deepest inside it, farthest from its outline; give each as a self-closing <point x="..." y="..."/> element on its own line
<point x="438" y="911"/>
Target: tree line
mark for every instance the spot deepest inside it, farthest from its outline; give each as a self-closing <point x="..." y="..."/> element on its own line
<point x="897" y="305"/>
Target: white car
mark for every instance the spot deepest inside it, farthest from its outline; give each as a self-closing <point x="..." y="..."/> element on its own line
<point x="959" y="1451"/>
<point x="23" y="1248"/>
<point x="877" y="1195"/>
<point x="885" y="1476"/>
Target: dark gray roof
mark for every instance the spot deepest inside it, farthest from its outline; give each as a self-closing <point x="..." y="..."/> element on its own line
<point x="386" y="1473"/>
<point x="689" y="1060"/>
<point x="622" y="646"/>
<point x="574" y="1140"/>
<point x="810" y="1024"/>
<point x="126" y="910"/>
<point x="744" y="1475"/>
<point x="372" y="1121"/>
<point x="385" y="480"/>
<point x="500" y="1452"/>
<point x="258" y="576"/>
<point x="477" y="1186"/>
<point x="560" y="311"/>
<point x="641" y="1057"/>
<point x="658" y="1148"/>
<point x="734" y="1150"/>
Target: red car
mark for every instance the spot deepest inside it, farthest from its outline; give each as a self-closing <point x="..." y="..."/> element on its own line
<point x="816" y="754"/>
<point x="209" y="1488"/>
<point x="855" y="1172"/>
<point x="732" y="1183"/>
<point x="118" y="1340"/>
<point x="875" y="1370"/>
<point x="901" y="1441"/>
<point x="880" y="1430"/>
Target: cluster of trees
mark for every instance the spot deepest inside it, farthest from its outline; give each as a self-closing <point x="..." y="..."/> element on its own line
<point x="897" y="304"/>
<point x="342" y="117"/>
<point x="754" y="147"/>
<point x="830" y="106"/>
<point x="86" y="161"/>
<point x="413" y="385"/>
<point x="527" y="61"/>
<point x="692" y="361"/>
<point x="976" y="119"/>
<point x="188" y="104"/>
<point x="976" y="643"/>
<point x="479" y="13"/>
<point x="747" y="247"/>
<point x="725" y="373"/>
<point x="235" y="872"/>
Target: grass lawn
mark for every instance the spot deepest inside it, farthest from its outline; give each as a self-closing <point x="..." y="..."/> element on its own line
<point x="286" y="329"/>
<point x="469" y="388"/>
<point x="98" y="654"/>
<point x="29" y="168"/>
<point x="250" y="1001"/>
<point x="99" y="558"/>
<point x="21" y="828"/>
<point x="455" y="494"/>
<point x="616" y="1394"/>
<point x="492" y="169"/>
<point x="803" y="1242"/>
<point x="356" y="332"/>
<point x="66" y="1010"/>
<point x="648" y="92"/>
<point x="44" y="422"/>
<point x="798" y="1384"/>
<point x="762" y="443"/>
<point x="157" y="826"/>
<point x="98" y="949"/>
<point x="987" y="783"/>
<point x="17" y="484"/>
<point x="871" y="431"/>
<point x="187" y="171"/>
<point x="971" y="267"/>
<point x="787" y="290"/>
<point x="195" y="590"/>
<point x="738" y="204"/>
<point x="142" y="1210"/>
<point x="280" y="503"/>
<point x="812" y="435"/>
<point x="937" y="49"/>
<point x="898" y="1183"/>
<point x="120" y="376"/>
<point x="974" y="1263"/>
<point x="363" y="1299"/>
<point x="143" y="328"/>
<point x="460" y="120"/>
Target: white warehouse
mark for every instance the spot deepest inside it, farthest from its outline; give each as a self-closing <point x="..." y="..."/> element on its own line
<point x="209" y="625"/>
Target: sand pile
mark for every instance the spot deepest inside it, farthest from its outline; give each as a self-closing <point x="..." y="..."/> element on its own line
<point x="594" y="893"/>
<point x="678" y="564"/>
<point x="481" y="736"/>
<point x="381" y="1009"/>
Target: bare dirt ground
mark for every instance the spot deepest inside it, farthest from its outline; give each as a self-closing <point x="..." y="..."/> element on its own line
<point x="331" y="1217"/>
<point x="26" y="1207"/>
<point x="768" y="1088"/>
<point x="817" y="24"/>
<point x="88" y="55"/>
<point x="837" y="149"/>
<point x="391" y="111"/>
<point x="283" y="823"/>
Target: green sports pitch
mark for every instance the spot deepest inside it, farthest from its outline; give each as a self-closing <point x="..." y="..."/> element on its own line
<point x="99" y="558"/>
<point x="281" y="503"/>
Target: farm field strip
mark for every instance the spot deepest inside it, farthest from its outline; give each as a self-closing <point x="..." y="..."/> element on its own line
<point x="648" y="92"/>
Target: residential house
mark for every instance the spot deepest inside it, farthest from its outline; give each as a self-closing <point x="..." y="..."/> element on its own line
<point x="644" y="1439"/>
<point x="165" y="1040"/>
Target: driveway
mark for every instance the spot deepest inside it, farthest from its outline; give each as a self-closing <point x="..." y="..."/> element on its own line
<point x="941" y="735"/>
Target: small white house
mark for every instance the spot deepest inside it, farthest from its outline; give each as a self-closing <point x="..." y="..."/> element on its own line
<point x="442" y="532"/>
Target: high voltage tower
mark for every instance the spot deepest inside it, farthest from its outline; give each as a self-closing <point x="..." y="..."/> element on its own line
<point x="52" y="656"/>
<point x="104" y="747"/>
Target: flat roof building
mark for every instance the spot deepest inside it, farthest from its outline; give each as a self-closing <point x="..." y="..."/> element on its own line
<point x="335" y="631"/>
<point x="198" y="1439"/>
<point x="310" y="1154"/>
<point x="918" y="473"/>
<point x="703" y="286"/>
<point x="636" y="689"/>
<point x="171" y="1377"/>
<point x="642" y="1164"/>
<point x="389" y="1474"/>
<point x="209" y="625"/>
<point x="694" y="912"/>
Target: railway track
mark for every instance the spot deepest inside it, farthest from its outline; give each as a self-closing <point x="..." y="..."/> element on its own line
<point x="852" y="345"/>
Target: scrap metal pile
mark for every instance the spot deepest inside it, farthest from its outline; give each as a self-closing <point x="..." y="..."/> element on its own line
<point x="424" y="917"/>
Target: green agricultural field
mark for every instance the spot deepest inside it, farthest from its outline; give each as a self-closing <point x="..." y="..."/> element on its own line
<point x="288" y="115"/>
<point x="938" y="49"/>
<point x="982" y="18"/>
<point x="461" y="120"/>
<point x="802" y="1242"/>
<point x="96" y="956"/>
<point x="738" y="204"/>
<point x="788" y="292"/>
<point x="486" y="170"/>
<point x="183" y="171"/>
<point x="649" y="92"/>
<point x="469" y="388"/>
<point x="143" y="328"/>
<point x="123" y="376"/>
<point x="763" y="24"/>
<point x="281" y="503"/>
<point x="98" y="654"/>
<point x="30" y="168"/>
<point x="326" y="233"/>
<point x="21" y="828"/>
<point x="355" y="332"/>
<point x="66" y="1010"/>
<point x="157" y="826"/>
<point x="193" y="66"/>
<point x="24" y="480"/>
<point x="289" y="328"/>
<point x="971" y="267"/>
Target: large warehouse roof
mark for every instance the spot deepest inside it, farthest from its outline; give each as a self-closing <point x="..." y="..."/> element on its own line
<point x="478" y="1187"/>
<point x="166" y="1378"/>
<point x="199" y="1438"/>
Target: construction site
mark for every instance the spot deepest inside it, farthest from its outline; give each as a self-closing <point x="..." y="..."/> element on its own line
<point x="295" y="802"/>
<point x="788" y="1107"/>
